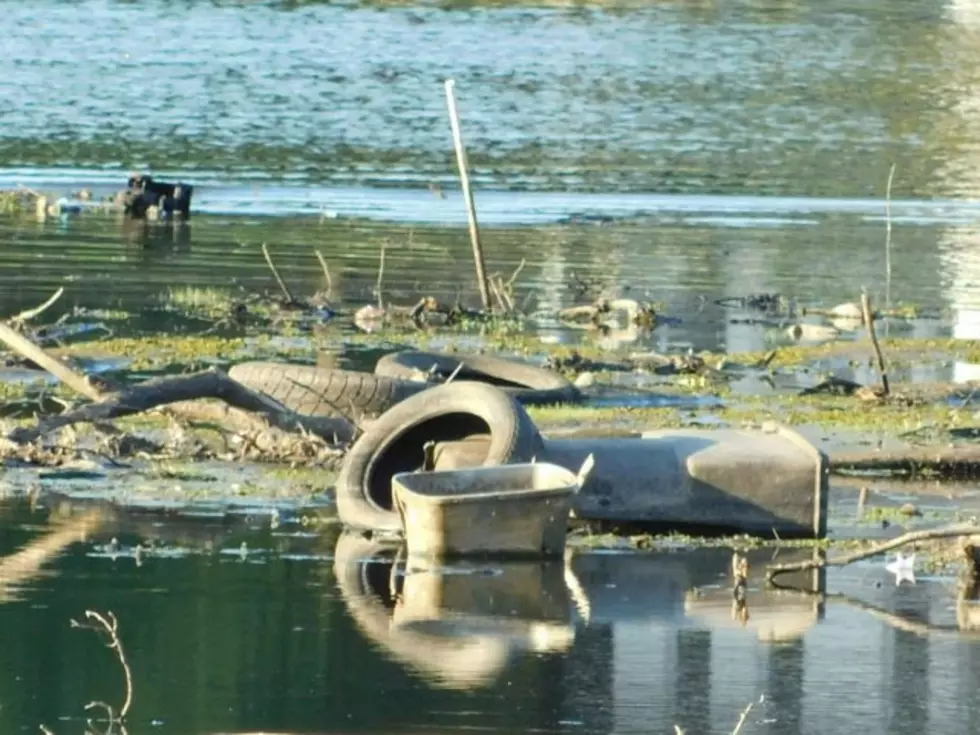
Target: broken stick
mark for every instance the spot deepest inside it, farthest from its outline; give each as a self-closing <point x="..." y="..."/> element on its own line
<point x="955" y="530"/>
<point x="326" y="273"/>
<point x="19" y="343"/>
<point x="381" y="275"/>
<point x="29" y="314"/>
<point x="869" y="320"/>
<point x="282" y="284"/>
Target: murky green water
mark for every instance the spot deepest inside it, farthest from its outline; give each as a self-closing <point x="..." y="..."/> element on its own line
<point x="684" y="267"/>
<point x="725" y="148"/>
<point x="737" y="146"/>
<point x="231" y="626"/>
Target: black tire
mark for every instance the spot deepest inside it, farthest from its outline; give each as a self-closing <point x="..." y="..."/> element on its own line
<point x="315" y="391"/>
<point x="394" y="443"/>
<point x="529" y="384"/>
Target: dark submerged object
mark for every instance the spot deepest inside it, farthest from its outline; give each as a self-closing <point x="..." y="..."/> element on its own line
<point x="145" y="197"/>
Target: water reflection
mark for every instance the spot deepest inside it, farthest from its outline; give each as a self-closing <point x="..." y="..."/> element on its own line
<point x="285" y="639"/>
<point x="960" y="242"/>
<point x="683" y="270"/>
<point x="154" y="239"/>
<point x="459" y="628"/>
<point x="20" y="570"/>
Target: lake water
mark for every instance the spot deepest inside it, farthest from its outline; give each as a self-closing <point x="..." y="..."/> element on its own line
<point x="230" y="625"/>
<point x="677" y="151"/>
<point x="730" y="148"/>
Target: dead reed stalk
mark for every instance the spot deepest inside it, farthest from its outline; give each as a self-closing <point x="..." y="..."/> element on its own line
<point x="869" y="320"/>
<point x="108" y="624"/>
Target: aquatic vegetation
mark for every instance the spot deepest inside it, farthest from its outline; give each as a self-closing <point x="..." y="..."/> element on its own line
<point x="15" y="202"/>
<point x="162" y="351"/>
<point x="194" y="299"/>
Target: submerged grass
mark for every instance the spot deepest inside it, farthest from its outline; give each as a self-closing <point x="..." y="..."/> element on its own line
<point x="824" y="411"/>
<point x="14" y="202"/>
<point x="193" y="299"/>
<point x="184" y="353"/>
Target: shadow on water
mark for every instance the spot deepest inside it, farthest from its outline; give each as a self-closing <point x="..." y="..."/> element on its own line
<point x="230" y="625"/>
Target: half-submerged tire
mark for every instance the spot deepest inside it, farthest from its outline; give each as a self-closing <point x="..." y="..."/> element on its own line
<point x="529" y="384"/>
<point x="395" y="443"/>
<point x="316" y="391"/>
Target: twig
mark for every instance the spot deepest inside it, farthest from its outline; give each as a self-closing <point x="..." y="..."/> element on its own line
<point x="888" y="237"/>
<point x="110" y="716"/>
<point x="745" y="714"/>
<point x="498" y="295"/>
<point x="282" y="284"/>
<point x="29" y="314"/>
<point x="111" y="626"/>
<point x="504" y="294"/>
<point x="455" y="372"/>
<point x="464" y="178"/>
<point x="515" y="274"/>
<point x="20" y="344"/>
<point x="952" y="531"/>
<point x="869" y="320"/>
<point x="326" y="273"/>
<point x="34" y="193"/>
<point x="907" y="625"/>
<point x="381" y="275"/>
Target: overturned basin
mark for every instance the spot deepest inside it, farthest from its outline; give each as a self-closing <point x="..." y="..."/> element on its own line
<point x="506" y="509"/>
<point x="767" y="481"/>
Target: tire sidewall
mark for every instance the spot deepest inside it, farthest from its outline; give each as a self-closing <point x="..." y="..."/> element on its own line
<point x="513" y="438"/>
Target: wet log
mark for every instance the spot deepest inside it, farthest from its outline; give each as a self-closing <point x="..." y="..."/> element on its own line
<point x="207" y="384"/>
<point x="950" y="461"/>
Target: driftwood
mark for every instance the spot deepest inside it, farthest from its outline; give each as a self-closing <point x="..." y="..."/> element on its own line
<point x="207" y="384"/>
<point x="19" y="343"/>
<point x="29" y="314"/>
<point x="957" y="530"/>
<point x="245" y="411"/>
<point x="951" y="461"/>
<point x="287" y="294"/>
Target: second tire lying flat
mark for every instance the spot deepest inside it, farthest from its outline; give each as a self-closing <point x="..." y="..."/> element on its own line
<point x="316" y="391"/>
<point x="529" y="384"/>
